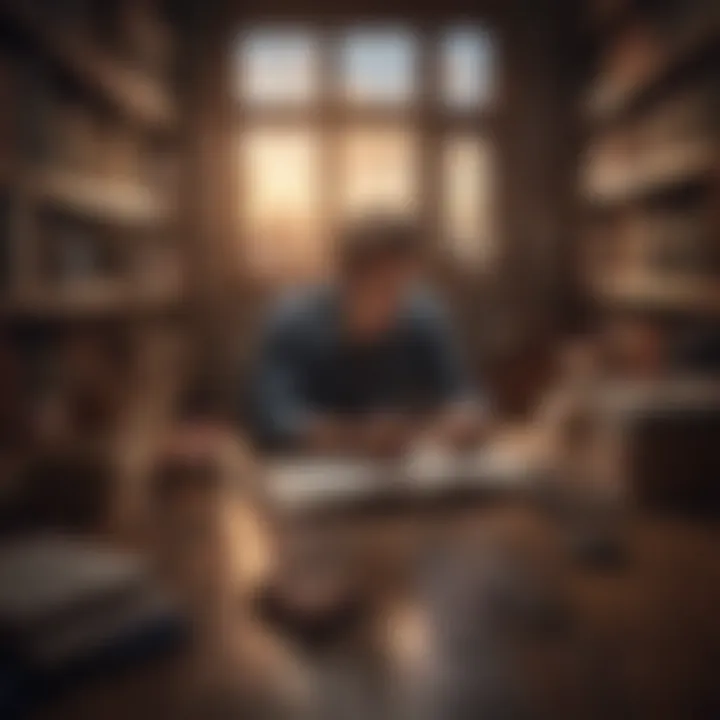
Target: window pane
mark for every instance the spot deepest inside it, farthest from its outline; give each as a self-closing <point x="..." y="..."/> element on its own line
<point x="379" y="66"/>
<point x="467" y="199"/>
<point x="378" y="172"/>
<point x="468" y="68"/>
<point x="281" y="208"/>
<point x="277" y="67"/>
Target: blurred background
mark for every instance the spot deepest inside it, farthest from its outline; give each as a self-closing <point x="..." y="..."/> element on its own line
<point x="168" y="167"/>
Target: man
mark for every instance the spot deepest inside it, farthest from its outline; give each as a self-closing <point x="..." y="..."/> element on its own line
<point x="365" y="364"/>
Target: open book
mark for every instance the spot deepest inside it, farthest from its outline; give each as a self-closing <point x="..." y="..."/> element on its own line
<point x="317" y="484"/>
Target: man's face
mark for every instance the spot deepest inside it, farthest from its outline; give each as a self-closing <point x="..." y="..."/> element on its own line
<point x="376" y="294"/>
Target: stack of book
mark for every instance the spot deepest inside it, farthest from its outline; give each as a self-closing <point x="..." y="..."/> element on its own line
<point x="69" y="607"/>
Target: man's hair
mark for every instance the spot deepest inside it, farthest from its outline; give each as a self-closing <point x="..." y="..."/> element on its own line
<point x="364" y="244"/>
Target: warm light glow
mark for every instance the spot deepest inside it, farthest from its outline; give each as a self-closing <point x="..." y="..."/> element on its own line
<point x="281" y="209"/>
<point x="467" y="199"/>
<point x="378" y="172"/>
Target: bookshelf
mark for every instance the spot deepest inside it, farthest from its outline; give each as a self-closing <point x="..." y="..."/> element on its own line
<point x="106" y="199"/>
<point x="93" y="301"/>
<point x="650" y="172"/>
<point x="90" y="156"/>
<point x="673" y="294"/>
<point x="609" y="103"/>
<point x="669" y="171"/>
<point x="136" y="96"/>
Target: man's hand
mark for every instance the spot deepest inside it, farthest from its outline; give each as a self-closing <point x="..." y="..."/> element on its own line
<point x="386" y="433"/>
<point x="381" y="434"/>
<point x="460" y="427"/>
<point x="327" y="435"/>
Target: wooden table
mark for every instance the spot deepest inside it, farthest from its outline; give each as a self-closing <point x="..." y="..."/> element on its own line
<point x="639" y="641"/>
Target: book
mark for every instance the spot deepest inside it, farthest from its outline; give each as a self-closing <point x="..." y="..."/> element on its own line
<point x="70" y="605"/>
<point x="71" y="610"/>
<point x="144" y="621"/>
<point x="49" y="579"/>
<point x="308" y="485"/>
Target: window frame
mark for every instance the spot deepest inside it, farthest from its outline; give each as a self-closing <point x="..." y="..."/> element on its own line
<point x="426" y="115"/>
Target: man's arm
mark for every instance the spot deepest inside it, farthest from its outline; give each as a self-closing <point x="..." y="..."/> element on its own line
<point x="461" y="410"/>
<point x="281" y="413"/>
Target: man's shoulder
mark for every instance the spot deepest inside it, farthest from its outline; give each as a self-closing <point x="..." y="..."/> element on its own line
<point x="425" y="310"/>
<point x="301" y="309"/>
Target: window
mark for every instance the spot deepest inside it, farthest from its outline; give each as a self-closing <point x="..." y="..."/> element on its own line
<point x="281" y="212"/>
<point x="466" y="201"/>
<point x="467" y="68"/>
<point x="277" y="67"/>
<point x="337" y="123"/>
<point x="378" y="171"/>
<point x="378" y="66"/>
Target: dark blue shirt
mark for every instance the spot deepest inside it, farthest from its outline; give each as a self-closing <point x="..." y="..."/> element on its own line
<point x="308" y="368"/>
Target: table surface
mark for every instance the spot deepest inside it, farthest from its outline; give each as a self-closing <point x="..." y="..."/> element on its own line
<point x="307" y="484"/>
<point x="640" y="640"/>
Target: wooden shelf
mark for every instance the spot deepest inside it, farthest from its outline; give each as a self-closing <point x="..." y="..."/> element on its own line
<point x="671" y="171"/>
<point x="91" y="301"/>
<point x="132" y="93"/>
<point x="616" y="105"/>
<point x="106" y="200"/>
<point x="686" y="295"/>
